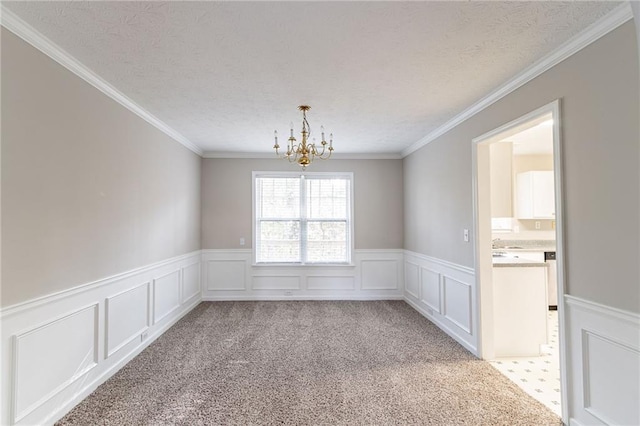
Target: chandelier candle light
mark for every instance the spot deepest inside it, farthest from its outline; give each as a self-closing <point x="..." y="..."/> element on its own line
<point x="304" y="153"/>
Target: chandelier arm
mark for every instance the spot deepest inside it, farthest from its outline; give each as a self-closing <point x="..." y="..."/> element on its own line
<point x="304" y="152"/>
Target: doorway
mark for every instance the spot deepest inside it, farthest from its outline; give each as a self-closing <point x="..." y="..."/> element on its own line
<point x="519" y="250"/>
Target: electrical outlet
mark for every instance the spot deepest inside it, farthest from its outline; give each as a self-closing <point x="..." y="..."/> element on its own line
<point x="242" y="241"/>
<point x="537" y="224"/>
<point x="144" y="335"/>
<point x="465" y="235"/>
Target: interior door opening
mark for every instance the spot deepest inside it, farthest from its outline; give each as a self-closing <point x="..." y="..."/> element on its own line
<point x="518" y="253"/>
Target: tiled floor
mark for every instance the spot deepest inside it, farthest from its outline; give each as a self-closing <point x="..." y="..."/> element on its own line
<point x="538" y="376"/>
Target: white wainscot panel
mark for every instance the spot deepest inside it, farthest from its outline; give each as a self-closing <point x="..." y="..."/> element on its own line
<point x="379" y="274"/>
<point x="276" y="282"/>
<point x="604" y="364"/>
<point x="430" y="283"/>
<point x="127" y="317"/>
<point x="608" y="365"/>
<point x="457" y="303"/>
<point x="52" y="356"/>
<point x="190" y="281"/>
<point x="225" y="275"/>
<point x="166" y="295"/>
<point x="324" y="282"/>
<point x="412" y="279"/>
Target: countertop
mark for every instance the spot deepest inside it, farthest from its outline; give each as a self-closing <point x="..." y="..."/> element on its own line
<point x="520" y="248"/>
<point x="516" y="262"/>
<point x="511" y="248"/>
<point x="524" y="245"/>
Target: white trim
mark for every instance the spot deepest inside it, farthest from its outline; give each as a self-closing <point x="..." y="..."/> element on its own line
<point x="485" y="308"/>
<point x="237" y="283"/>
<point x="597" y="335"/>
<point x="441" y="262"/>
<point x="442" y="326"/>
<point x="272" y="156"/>
<point x="465" y="334"/>
<point x="363" y="297"/>
<point x="107" y="302"/>
<point x="176" y="272"/>
<point x="29" y="34"/>
<point x="16" y="416"/>
<point x="33" y="303"/>
<point x="609" y="22"/>
<point x="380" y="251"/>
<point x="574" y="422"/>
<point x="300" y="174"/>
<point x="598" y="308"/>
<point x="184" y="299"/>
<point x="93" y="300"/>
<point x="606" y="24"/>
<point x="64" y="409"/>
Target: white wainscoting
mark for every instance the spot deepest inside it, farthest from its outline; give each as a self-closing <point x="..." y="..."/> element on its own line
<point x="604" y="364"/>
<point x="57" y="349"/>
<point x="445" y="293"/>
<point x="230" y="275"/>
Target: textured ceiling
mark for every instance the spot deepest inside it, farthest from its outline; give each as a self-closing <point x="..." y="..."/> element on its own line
<point x="379" y="75"/>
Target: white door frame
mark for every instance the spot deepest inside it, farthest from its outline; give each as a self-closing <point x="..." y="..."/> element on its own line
<point x="482" y="229"/>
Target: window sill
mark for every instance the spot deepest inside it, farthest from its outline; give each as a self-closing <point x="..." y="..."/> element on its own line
<point x="305" y="265"/>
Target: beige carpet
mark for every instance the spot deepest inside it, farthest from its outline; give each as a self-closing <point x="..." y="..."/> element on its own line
<point x="322" y="363"/>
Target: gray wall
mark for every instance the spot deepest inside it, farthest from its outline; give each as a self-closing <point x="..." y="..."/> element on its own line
<point x="600" y="137"/>
<point x="89" y="189"/>
<point x="226" y="199"/>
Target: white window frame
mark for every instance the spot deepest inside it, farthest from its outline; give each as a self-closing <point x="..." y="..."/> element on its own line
<point x="302" y="175"/>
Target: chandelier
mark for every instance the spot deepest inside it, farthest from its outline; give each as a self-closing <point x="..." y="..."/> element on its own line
<point x="304" y="152"/>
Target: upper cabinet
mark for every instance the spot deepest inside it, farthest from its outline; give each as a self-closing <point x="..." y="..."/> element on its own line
<point x="535" y="197"/>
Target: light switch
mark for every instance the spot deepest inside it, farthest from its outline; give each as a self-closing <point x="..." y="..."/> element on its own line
<point x="465" y="235"/>
<point x="242" y="241"/>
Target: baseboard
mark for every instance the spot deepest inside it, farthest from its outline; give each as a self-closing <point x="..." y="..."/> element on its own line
<point x="445" y="293"/>
<point x="258" y="298"/>
<point x="58" y="349"/>
<point x="374" y="275"/>
<point x="442" y="326"/>
<point x="604" y="363"/>
<point x="115" y="368"/>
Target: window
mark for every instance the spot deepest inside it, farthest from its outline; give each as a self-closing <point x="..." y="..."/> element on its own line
<point x="302" y="218"/>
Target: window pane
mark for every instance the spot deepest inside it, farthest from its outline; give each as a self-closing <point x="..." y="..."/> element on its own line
<point x="279" y="241"/>
<point x="327" y="198"/>
<point x="278" y="198"/>
<point x="327" y="241"/>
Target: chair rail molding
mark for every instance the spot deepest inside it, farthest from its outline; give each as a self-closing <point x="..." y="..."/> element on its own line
<point x="374" y="275"/>
<point x="604" y="363"/>
<point x="445" y="293"/>
<point x="57" y="349"/>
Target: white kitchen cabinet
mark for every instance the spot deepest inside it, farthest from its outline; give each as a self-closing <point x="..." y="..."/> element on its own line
<point x="520" y="310"/>
<point x="535" y="195"/>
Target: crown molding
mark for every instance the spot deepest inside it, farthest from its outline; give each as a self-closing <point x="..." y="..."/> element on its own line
<point x="272" y="156"/>
<point x="606" y="24"/>
<point x="20" y="28"/>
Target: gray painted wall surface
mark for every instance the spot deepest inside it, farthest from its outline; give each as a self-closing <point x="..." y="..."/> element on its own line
<point x="89" y="189"/>
<point x="599" y="89"/>
<point x="226" y="199"/>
